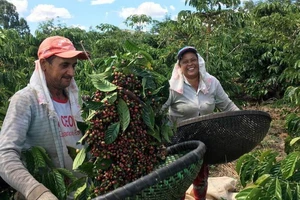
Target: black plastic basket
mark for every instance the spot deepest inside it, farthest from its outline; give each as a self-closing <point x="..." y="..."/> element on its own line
<point x="170" y="180"/>
<point x="226" y="135"/>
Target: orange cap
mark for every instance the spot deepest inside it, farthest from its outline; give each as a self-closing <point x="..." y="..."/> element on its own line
<point x="61" y="47"/>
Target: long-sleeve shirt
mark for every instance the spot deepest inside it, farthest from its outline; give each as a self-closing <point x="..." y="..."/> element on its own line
<point x="193" y="103"/>
<point x="27" y="123"/>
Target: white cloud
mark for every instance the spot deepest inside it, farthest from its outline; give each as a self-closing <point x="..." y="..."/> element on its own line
<point x="148" y="8"/>
<point x="21" y="5"/>
<point x="97" y="2"/>
<point x="172" y="7"/>
<point x="174" y="17"/>
<point x="79" y="26"/>
<point x="45" y="12"/>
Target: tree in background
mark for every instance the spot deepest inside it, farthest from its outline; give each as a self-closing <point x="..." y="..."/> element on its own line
<point x="245" y="46"/>
<point x="270" y="46"/>
<point x="138" y="22"/>
<point x="9" y="18"/>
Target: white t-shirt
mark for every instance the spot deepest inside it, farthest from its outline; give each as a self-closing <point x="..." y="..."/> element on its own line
<point x="68" y="130"/>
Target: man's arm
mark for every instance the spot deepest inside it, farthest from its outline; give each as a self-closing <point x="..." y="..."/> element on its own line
<point x="12" y="139"/>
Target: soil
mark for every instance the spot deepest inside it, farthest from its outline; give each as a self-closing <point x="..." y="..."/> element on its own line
<point x="273" y="140"/>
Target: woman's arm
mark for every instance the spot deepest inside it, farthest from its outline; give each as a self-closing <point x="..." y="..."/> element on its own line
<point x="223" y="102"/>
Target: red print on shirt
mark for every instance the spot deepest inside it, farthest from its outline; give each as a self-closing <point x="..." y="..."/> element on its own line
<point x="67" y="121"/>
<point x="67" y="126"/>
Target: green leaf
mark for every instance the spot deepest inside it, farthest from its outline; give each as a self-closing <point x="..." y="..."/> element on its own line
<point x="82" y="139"/>
<point x="102" y="84"/>
<point x="104" y="74"/>
<point x="252" y="193"/>
<point x="80" y="158"/>
<point x="46" y="157"/>
<point x="112" y="133"/>
<point x="298" y="192"/>
<point x="294" y="140"/>
<point x="38" y="158"/>
<point x="87" y="168"/>
<point x="245" y="166"/>
<point x="240" y="162"/>
<point x="288" y="192"/>
<point x="144" y="82"/>
<point x="289" y="164"/>
<point x="59" y="184"/>
<point x="278" y="193"/>
<point x="148" y="116"/>
<point x="274" y="190"/>
<point x="166" y="132"/>
<point x="82" y="126"/>
<point x="267" y="164"/>
<point x="92" y="113"/>
<point x="28" y="159"/>
<point x="77" y="184"/>
<point x="43" y="179"/>
<point x="72" y="152"/>
<point x="155" y="133"/>
<point x="130" y="46"/>
<point x="111" y="98"/>
<point x="80" y="191"/>
<point x="67" y="173"/>
<point x="50" y="182"/>
<point x="92" y="105"/>
<point x="263" y="180"/>
<point x="124" y="114"/>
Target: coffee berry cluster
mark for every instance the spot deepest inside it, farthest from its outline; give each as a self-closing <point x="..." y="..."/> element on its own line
<point x="134" y="153"/>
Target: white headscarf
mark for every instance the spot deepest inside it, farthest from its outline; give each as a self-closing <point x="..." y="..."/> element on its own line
<point x="177" y="80"/>
<point x="38" y="82"/>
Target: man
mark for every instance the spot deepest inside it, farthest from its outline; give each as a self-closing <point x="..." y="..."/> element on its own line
<point x="44" y="113"/>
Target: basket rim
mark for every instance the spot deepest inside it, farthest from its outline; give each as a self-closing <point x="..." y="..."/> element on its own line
<point x="222" y="115"/>
<point x="160" y="174"/>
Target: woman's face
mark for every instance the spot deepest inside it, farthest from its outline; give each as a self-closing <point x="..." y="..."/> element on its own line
<point x="189" y="65"/>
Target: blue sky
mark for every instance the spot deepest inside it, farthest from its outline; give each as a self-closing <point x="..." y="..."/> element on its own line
<point x="89" y="13"/>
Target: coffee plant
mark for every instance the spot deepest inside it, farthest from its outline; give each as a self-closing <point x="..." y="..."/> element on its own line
<point x="39" y="164"/>
<point x="266" y="175"/>
<point x="126" y="129"/>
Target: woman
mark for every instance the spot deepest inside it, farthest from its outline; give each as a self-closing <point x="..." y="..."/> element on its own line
<point x="195" y="92"/>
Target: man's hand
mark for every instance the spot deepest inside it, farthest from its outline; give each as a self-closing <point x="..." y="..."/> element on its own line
<point x="47" y="196"/>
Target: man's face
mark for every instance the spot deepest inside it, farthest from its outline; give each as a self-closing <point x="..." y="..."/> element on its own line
<point x="59" y="72"/>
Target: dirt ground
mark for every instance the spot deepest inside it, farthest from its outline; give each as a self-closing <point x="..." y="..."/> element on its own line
<point x="273" y="140"/>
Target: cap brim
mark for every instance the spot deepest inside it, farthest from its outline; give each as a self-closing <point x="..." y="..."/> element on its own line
<point x="81" y="55"/>
<point x="185" y="50"/>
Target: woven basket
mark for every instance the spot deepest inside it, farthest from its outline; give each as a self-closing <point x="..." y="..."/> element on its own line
<point x="226" y="135"/>
<point x="170" y="180"/>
